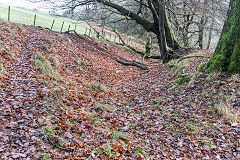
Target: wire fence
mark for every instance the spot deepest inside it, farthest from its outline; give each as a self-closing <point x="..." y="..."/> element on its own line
<point x="62" y="24"/>
<point x="29" y="17"/>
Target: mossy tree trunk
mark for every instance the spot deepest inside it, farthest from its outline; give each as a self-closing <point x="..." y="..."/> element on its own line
<point x="227" y="54"/>
<point x="163" y="29"/>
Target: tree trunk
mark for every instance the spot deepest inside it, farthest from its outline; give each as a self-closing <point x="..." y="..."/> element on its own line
<point x="162" y="39"/>
<point x="161" y="25"/>
<point x="201" y="26"/>
<point x="187" y="22"/>
<point x="148" y="44"/>
<point x="163" y="30"/>
<point x="170" y="37"/>
<point x="200" y="36"/>
<point x="227" y="54"/>
<point x="210" y="35"/>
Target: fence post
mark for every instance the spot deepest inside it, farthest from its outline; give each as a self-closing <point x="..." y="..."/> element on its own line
<point x="104" y="35"/>
<point x="69" y="28"/>
<point x="34" y="22"/>
<point x="75" y="27"/>
<point x="52" y="24"/>
<point x="98" y="35"/>
<point x="62" y="26"/>
<point x="95" y="33"/>
<point x="9" y="9"/>
<point x="90" y="32"/>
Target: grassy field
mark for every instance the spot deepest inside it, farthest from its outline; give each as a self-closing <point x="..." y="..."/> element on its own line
<point x="24" y="16"/>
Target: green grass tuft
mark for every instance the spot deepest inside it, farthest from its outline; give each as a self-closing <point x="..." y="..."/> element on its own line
<point x="96" y="86"/>
<point x="45" y="66"/>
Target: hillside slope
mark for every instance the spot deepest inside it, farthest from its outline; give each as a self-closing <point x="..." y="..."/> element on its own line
<point x="65" y="97"/>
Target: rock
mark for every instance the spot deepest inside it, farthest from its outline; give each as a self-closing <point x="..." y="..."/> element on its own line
<point x="1" y="149"/>
<point x="119" y="71"/>
<point x="234" y="124"/>
<point x="17" y="155"/>
<point x="69" y="135"/>
<point x="180" y="144"/>
<point x="126" y="128"/>
<point x="26" y="144"/>
<point x="218" y="157"/>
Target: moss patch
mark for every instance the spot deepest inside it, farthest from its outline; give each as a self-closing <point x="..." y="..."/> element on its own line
<point x="217" y="63"/>
<point x="234" y="66"/>
<point x="171" y="64"/>
<point x="182" y="79"/>
<point x="180" y="65"/>
<point x="200" y="67"/>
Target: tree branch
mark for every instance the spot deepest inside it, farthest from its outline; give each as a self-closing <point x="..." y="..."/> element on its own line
<point x="147" y="25"/>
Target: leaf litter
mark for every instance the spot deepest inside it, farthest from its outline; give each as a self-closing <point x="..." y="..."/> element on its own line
<point x="65" y="97"/>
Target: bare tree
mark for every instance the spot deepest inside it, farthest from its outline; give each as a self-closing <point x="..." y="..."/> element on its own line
<point x="157" y="22"/>
<point x="195" y="20"/>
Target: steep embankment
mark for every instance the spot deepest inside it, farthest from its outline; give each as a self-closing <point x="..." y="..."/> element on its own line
<point x="64" y="96"/>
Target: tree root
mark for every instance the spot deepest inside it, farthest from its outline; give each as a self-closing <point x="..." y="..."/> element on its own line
<point x="193" y="56"/>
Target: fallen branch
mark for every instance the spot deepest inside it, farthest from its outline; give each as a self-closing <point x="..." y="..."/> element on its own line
<point x="132" y="63"/>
